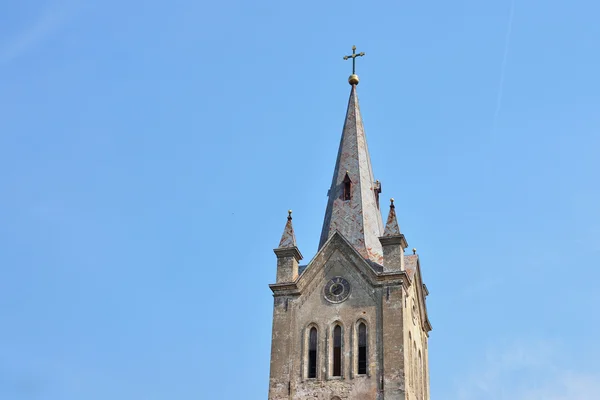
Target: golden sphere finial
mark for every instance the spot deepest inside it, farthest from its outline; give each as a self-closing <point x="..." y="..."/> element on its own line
<point x="353" y="79"/>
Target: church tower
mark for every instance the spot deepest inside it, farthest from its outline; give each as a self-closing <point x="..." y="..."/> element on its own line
<point x="352" y="324"/>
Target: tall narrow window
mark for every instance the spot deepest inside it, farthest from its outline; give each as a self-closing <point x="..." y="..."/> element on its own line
<point x="337" y="351"/>
<point x="415" y="369"/>
<point x="420" y="375"/>
<point x="362" y="349"/>
<point x="312" y="353"/>
<point x="424" y="367"/>
<point x="347" y="188"/>
<point x="410" y="361"/>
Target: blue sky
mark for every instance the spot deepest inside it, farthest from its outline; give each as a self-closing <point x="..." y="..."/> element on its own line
<point x="149" y="152"/>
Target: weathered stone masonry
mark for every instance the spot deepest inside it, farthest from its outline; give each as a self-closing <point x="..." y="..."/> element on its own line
<point x="361" y="281"/>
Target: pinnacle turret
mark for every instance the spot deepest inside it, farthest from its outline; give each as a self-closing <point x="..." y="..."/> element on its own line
<point x="393" y="243"/>
<point x="287" y="253"/>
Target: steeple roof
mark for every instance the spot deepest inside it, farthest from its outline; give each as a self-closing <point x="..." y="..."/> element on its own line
<point x="391" y="227"/>
<point x="353" y="205"/>
<point x="288" y="238"/>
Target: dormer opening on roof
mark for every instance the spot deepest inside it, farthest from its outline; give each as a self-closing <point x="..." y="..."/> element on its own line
<point x="377" y="190"/>
<point x="347" y="195"/>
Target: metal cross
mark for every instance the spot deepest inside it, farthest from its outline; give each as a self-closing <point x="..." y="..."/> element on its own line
<point x="353" y="57"/>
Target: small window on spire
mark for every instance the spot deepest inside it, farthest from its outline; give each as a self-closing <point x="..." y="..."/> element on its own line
<point x="347" y="195"/>
<point x="377" y="190"/>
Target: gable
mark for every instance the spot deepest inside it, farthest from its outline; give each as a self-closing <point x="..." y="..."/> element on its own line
<point x="413" y="270"/>
<point x="337" y="266"/>
<point x="336" y="244"/>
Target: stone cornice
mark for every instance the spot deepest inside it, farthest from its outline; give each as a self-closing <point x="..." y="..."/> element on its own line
<point x="396" y="239"/>
<point x="284" y="289"/>
<point x="393" y="278"/>
<point x="282" y="252"/>
<point x="427" y="326"/>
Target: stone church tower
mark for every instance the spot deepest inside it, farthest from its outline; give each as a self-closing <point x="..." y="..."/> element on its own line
<point x="352" y="324"/>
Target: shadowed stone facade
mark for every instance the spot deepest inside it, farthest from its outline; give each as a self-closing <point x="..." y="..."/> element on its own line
<point x="352" y="324"/>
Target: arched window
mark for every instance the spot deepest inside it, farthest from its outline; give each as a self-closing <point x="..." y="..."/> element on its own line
<point x="420" y="375"/>
<point x="337" y="351"/>
<point x="424" y="369"/>
<point x="410" y="361"/>
<point x="415" y="369"/>
<point x="362" y="348"/>
<point x="312" y="353"/>
<point x="347" y="195"/>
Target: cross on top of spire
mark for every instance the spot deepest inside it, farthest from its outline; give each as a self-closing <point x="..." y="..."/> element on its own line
<point x="353" y="80"/>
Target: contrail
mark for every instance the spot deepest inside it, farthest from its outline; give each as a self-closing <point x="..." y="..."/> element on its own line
<point x="503" y="66"/>
<point x="47" y="24"/>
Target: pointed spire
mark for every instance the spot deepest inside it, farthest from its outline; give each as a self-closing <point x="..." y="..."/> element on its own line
<point x="288" y="239"/>
<point x="391" y="227"/>
<point x="352" y="208"/>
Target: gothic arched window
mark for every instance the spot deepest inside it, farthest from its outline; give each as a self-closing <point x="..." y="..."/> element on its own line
<point x="312" y="353"/>
<point x="425" y="385"/>
<point x="337" y="351"/>
<point x="347" y="195"/>
<point x="362" y="348"/>
<point x="410" y="361"/>
<point x="421" y="386"/>
<point x="415" y="369"/>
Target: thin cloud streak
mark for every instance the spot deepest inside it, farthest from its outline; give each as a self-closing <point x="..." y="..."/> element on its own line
<point x="46" y="24"/>
<point x="503" y="66"/>
<point x="527" y="371"/>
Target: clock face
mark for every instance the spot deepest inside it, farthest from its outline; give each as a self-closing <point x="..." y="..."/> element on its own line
<point x="337" y="290"/>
